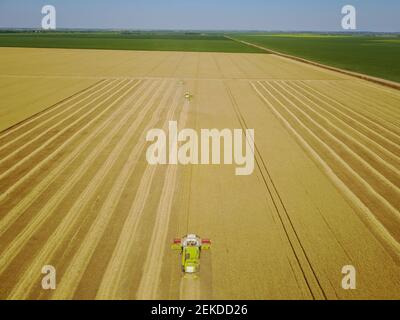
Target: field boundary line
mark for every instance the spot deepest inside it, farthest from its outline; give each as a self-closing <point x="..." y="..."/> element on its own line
<point x="382" y="234"/>
<point x="375" y="80"/>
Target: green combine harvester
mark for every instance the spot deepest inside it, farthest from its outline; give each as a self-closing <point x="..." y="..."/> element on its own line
<point x="190" y="248"/>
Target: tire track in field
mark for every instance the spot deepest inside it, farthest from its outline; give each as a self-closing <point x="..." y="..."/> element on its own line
<point x="353" y="123"/>
<point x="113" y="277"/>
<point x="51" y="176"/>
<point x="35" y="167"/>
<point x="48" y="120"/>
<point x="303" y="263"/>
<point x="379" y="130"/>
<point x="149" y="283"/>
<point x="190" y="288"/>
<point x="388" y="191"/>
<point x="76" y="267"/>
<point x="37" y="221"/>
<point x="373" y="219"/>
<point x="62" y="231"/>
<point x="387" y="170"/>
<point x="59" y="134"/>
<point x="50" y="109"/>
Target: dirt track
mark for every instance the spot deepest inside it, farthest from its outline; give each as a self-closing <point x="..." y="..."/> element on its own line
<point x="77" y="192"/>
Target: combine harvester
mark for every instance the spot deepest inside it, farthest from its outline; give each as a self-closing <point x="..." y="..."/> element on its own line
<point x="190" y="248"/>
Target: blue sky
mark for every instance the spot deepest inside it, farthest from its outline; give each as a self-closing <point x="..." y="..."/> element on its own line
<point x="311" y="15"/>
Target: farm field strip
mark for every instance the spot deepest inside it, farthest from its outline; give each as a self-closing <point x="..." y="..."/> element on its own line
<point x="108" y="208"/>
<point x="367" y="180"/>
<point x="34" y="224"/>
<point x="309" y="278"/>
<point x="113" y="276"/>
<point x="46" y="210"/>
<point x="77" y="192"/>
<point x="69" y="222"/>
<point x="149" y="284"/>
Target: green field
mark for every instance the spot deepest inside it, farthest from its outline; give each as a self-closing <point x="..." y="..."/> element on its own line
<point x="163" y="41"/>
<point x="368" y="54"/>
<point x="377" y="56"/>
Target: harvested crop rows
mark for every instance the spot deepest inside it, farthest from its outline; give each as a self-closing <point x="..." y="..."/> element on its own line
<point x="77" y="192"/>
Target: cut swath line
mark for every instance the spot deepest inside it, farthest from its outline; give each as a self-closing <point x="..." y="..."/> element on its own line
<point x="372" y="101"/>
<point x="38" y="165"/>
<point x="382" y="234"/>
<point x="373" y="155"/>
<point x="73" y="274"/>
<point x="387" y="118"/>
<point x="65" y="128"/>
<point x="382" y="199"/>
<point x="356" y="115"/>
<point x="113" y="276"/>
<point x="393" y="93"/>
<point x="43" y="123"/>
<point x="148" y="287"/>
<point x="62" y="231"/>
<point x="49" y="178"/>
<point x="59" y="134"/>
<point x="356" y="124"/>
<point x="23" y="237"/>
<point x="42" y="114"/>
<point x="372" y="171"/>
